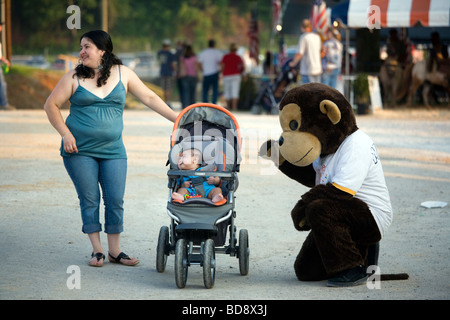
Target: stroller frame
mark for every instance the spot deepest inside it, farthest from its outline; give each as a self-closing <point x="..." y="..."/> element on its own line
<point x="198" y="228"/>
<point x="272" y="92"/>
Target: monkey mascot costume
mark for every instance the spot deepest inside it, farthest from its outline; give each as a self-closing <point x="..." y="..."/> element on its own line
<point x="348" y="208"/>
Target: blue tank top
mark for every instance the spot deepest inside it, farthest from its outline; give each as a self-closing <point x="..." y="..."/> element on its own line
<point x="97" y="123"/>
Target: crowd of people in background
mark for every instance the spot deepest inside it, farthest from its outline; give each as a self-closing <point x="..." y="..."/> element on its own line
<point x="184" y="67"/>
<point x="320" y="61"/>
<point x="319" y="58"/>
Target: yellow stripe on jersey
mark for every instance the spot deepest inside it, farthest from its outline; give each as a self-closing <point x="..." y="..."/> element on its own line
<point x="344" y="189"/>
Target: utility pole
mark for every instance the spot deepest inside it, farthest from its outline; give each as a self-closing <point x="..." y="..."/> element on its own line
<point x="105" y="15"/>
<point x="6" y="32"/>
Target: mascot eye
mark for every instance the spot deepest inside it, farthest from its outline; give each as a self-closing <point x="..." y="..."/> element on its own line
<point x="293" y="125"/>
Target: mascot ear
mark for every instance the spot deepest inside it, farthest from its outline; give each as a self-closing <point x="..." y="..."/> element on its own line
<point x="331" y="110"/>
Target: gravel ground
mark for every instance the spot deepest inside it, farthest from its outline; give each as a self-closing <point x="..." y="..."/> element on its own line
<point x="40" y="231"/>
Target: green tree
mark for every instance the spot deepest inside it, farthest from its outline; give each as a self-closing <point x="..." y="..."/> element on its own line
<point x="135" y="24"/>
<point x="37" y="25"/>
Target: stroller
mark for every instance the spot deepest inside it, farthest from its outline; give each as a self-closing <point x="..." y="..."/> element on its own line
<point x="271" y="93"/>
<point x="198" y="227"/>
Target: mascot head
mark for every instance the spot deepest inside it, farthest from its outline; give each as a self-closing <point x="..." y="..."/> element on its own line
<point x="315" y="119"/>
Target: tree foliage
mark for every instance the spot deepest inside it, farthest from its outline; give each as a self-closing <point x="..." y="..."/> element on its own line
<point x="135" y="24"/>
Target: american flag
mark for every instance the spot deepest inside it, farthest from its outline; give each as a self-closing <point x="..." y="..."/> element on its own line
<point x="276" y="13"/>
<point x="319" y="19"/>
<point x="253" y="35"/>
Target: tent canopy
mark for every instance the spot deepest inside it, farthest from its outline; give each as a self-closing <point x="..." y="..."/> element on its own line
<point x="393" y="13"/>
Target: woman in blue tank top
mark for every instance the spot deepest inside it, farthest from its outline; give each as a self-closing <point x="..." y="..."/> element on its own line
<point x="92" y="148"/>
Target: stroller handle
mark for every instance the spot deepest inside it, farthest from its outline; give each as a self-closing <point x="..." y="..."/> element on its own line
<point x="209" y="105"/>
<point x="173" y="173"/>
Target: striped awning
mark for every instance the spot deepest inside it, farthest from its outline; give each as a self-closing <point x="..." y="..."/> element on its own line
<point x="393" y="13"/>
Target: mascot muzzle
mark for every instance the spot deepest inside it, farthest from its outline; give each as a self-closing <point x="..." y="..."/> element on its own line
<point x="299" y="148"/>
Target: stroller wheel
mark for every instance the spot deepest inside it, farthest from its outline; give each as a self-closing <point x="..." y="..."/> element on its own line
<point x="209" y="263"/>
<point x="181" y="265"/>
<point x="162" y="251"/>
<point x="243" y="252"/>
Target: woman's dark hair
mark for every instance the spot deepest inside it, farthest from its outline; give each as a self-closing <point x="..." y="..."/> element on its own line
<point x="102" y="41"/>
<point x="188" y="51"/>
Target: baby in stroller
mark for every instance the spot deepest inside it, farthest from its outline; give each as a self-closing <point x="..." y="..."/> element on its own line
<point x="205" y="153"/>
<point x="193" y="186"/>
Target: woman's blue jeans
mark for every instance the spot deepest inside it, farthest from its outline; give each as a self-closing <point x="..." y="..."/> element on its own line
<point x="87" y="173"/>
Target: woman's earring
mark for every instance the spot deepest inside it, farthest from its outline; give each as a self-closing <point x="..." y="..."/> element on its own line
<point x="80" y="63"/>
<point x="100" y="66"/>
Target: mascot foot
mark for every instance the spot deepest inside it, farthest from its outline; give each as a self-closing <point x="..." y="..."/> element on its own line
<point x="349" y="278"/>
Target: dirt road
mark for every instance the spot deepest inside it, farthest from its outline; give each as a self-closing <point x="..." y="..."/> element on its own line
<point x="42" y="246"/>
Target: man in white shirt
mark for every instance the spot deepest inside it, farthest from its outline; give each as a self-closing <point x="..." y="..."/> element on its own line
<point x="209" y="63"/>
<point x="309" y="54"/>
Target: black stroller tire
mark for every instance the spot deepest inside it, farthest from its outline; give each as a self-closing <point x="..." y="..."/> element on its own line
<point x="181" y="265"/>
<point x="161" y="249"/>
<point x="244" y="252"/>
<point x="209" y="263"/>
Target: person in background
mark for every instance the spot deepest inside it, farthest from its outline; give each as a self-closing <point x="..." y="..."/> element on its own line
<point x="269" y="67"/>
<point x="232" y="69"/>
<point x="309" y="54"/>
<point x="209" y="63"/>
<point x="332" y="60"/>
<point x="188" y="76"/>
<point x="92" y="148"/>
<point x="438" y="58"/>
<point x="179" y="50"/>
<point x="167" y="62"/>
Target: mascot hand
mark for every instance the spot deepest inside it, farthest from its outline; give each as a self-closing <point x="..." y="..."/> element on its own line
<point x="299" y="217"/>
<point x="271" y="150"/>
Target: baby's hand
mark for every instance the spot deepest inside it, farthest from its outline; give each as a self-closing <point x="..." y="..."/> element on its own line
<point x="186" y="184"/>
<point x="213" y="180"/>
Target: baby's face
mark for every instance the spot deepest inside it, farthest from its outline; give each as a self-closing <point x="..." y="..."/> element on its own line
<point x="188" y="161"/>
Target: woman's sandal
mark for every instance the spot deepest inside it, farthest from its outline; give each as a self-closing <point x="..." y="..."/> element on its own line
<point x="99" y="256"/>
<point x="133" y="261"/>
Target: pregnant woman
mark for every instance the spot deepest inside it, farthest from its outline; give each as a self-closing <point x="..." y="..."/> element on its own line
<point x="92" y="148"/>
